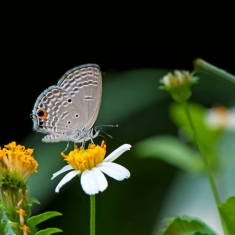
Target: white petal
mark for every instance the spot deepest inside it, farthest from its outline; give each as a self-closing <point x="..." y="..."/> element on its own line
<point x="116" y="153"/>
<point x="66" y="179"/>
<point x="166" y="80"/>
<point x="114" y="170"/>
<point x="93" y="181"/>
<point x="65" y="168"/>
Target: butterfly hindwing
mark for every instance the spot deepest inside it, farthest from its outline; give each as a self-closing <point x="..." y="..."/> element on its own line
<point x="56" y="113"/>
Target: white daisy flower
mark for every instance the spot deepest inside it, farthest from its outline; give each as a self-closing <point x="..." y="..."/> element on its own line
<point x="90" y="164"/>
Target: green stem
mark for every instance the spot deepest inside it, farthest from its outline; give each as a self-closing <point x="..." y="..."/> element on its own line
<point x="203" y="66"/>
<point x="92" y="215"/>
<point x="203" y="156"/>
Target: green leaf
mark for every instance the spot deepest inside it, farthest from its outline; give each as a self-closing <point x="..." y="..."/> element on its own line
<point x="227" y="213"/>
<point x="208" y="137"/>
<point x="186" y="225"/>
<point x="171" y="150"/>
<point x="35" y="220"/>
<point x="34" y="200"/>
<point x="49" y="231"/>
<point x="203" y="66"/>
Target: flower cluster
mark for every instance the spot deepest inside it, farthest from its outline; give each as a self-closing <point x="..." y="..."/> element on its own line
<point x="16" y="163"/>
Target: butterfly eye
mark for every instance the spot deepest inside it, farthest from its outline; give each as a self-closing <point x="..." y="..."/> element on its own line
<point x="42" y="113"/>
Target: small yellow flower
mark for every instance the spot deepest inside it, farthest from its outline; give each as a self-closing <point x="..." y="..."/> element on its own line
<point x="16" y="162"/>
<point x="25" y="229"/>
<point x="90" y="164"/>
<point x="22" y="214"/>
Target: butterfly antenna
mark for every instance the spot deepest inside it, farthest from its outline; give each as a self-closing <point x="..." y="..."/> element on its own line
<point x="111" y="137"/>
<point x="100" y="129"/>
<point x="108" y="125"/>
<point x="104" y="138"/>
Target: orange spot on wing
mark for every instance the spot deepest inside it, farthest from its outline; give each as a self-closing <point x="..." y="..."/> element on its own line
<point x="44" y="113"/>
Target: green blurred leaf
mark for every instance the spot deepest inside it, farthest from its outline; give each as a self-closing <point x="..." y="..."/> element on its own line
<point x="34" y="200"/>
<point x="186" y="225"/>
<point x="207" y="136"/>
<point x="227" y="213"/>
<point x="11" y="227"/>
<point x="35" y="220"/>
<point x="171" y="150"/>
<point x="226" y="149"/>
<point x="205" y="67"/>
<point x="49" y="231"/>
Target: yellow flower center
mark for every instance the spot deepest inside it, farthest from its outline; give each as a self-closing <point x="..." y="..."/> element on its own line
<point x="16" y="159"/>
<point x="179" y="78"/>
<point x="81" y="159"/>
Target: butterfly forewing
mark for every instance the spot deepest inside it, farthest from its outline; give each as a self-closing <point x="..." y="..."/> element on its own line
<point x="84" y="84"/>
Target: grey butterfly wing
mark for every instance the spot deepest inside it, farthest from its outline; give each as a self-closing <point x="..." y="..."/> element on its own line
<point x="84" y="84"/>
<point x="54" y="113"/>
<point x="72" y="105"/>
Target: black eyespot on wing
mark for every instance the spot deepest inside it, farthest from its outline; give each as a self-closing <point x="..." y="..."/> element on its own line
<point x="40" y="124"/>
<point x="42" y="113"/>
<point x="69" y="100"/>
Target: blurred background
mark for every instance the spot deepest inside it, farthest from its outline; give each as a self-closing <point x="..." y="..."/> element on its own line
<point x="131" y="71"/>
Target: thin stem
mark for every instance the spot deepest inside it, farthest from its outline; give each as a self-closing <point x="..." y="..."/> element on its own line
<point x="203" y="66"/>
<point x="203" y="156"/>
<point x="92" y="215"/>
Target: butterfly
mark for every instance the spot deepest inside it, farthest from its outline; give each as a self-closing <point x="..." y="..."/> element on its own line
<point x="68" y="111"/>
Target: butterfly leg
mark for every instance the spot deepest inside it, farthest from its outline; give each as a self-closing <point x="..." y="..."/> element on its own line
<point x="66" y="147"/>
<point x="84" y="144"/>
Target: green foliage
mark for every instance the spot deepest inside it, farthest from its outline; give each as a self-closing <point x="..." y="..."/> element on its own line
<point x="227" y="213"/>
<point x="49" y="231"/>
<point x="11" y="228"/>
<point x="203" y="66"/>
<point x="34" y="200"/>
<point x="208" y="136"/>
<point x="171" y="150"/>
<point x="177" y="153"/>
<point x="35" y="220"/>
<point x="4" y="228"/>
<point x="186" y="226"/>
